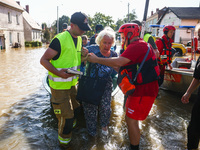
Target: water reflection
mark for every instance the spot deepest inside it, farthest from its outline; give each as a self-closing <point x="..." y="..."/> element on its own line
<point x="27" y="121"/>
<point x="20" y="74"/>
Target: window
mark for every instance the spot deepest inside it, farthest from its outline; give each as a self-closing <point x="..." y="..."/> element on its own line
<point x="9" y="18"/>
<point x="33" y="35"/>
<point x="10" y="37"/>
<point x="18" y="37"/>
<point x="17" y="19"/>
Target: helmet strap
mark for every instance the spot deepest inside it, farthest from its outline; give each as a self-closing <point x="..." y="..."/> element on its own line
<point x="124" y="45"/>
<point x="128" y="41"/>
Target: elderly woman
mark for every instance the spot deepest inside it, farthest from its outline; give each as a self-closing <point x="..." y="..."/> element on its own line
<point x="104" y="40"/>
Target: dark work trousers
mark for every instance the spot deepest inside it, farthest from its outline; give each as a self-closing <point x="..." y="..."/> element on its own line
<point x="193" y="131"/>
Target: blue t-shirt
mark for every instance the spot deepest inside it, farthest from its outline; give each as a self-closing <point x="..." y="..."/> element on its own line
<point x="101" y="70"/>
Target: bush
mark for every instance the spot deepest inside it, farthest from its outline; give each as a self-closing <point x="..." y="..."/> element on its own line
<point x="33" y="44"/>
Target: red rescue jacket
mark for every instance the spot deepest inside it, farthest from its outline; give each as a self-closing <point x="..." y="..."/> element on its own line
<point x="164" y="45"/>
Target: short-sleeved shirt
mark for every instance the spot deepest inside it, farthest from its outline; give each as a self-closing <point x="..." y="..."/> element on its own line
<point x="136" y="52"/>
<point x="55" y="45"/>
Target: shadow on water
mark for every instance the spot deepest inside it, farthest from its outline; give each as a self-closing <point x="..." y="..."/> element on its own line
<point x="31" y="124"/>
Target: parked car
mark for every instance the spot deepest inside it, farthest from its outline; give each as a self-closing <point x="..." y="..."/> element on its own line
<point x="180" y="49"/>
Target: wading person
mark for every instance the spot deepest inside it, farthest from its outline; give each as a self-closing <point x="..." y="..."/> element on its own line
<point x="64" y="52"/>
<point x="104" y="40"/>
<point x="139" y="103"/>
<point x="164" y="45"/>
<point x="147" y="38"/>
<point x="193" y="130"/>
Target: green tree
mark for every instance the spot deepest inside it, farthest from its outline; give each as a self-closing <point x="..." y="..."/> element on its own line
<point x="47" y="35"/>
<point x="132" y="16"/>
<point x="44" y="26"/>
<point x="118" y="24"/>
<point x="63" y="19"/>
<point x="100" y="18"/>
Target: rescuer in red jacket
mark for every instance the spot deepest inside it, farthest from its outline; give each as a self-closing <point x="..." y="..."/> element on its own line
<point x="164" y="45"/>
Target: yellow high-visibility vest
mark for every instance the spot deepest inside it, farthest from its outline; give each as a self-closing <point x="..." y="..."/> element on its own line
<point x="70" y="57"/>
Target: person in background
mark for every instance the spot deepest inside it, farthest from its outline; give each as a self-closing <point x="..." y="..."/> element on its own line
<point x="64" y="52"/>
<point x="104" y="40"/>
<point x="139" y="103"/>
<point x="64" y="26"/>
<point x="148" y="38"/>
<point x="98" y="28"/>
<point x="85" y="41"/>
<point x="164" y="45"/>
<point x="193" y="130"/>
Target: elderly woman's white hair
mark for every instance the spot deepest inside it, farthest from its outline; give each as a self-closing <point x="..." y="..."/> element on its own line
<point x="107" y="31"/>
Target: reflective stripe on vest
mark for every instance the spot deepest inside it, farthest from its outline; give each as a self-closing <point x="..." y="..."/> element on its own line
<point x="59" y="79"/>
<point x="64" y="141"/>
<point x="70" y="57"/>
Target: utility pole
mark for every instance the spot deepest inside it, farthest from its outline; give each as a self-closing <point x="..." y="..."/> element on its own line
<point x="144" y="18"/>
<point x="128" y="12"/>
<point x="57" y="21"/>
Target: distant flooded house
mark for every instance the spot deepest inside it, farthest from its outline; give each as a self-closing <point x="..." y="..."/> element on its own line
<point x="181" y="16"/>
<point x="32" y="30"/>
<point x="153" y="19"/>
<point x="11" y="24"/>
<point x="177" y="16"/>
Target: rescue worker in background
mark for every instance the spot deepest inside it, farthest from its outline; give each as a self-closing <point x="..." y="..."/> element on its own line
<point x="98" y="28"/>
<point x="140" y="102"/>
<point x="148" y="38"/>
<point x="164" y="45"/>
<point x="193" y="130"/>
<point x="64" y="52"/>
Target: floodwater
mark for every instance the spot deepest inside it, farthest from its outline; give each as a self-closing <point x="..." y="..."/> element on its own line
<point x="27" y="121"/>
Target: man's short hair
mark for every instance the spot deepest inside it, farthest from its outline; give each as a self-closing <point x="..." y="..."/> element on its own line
<point x="137" y="22"/>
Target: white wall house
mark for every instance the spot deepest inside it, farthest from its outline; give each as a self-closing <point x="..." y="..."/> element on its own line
<point x="11" y="24"/>
<point x="32" y="30"/>
<point x="153" y="19"/>
<point x="180" y="16"/>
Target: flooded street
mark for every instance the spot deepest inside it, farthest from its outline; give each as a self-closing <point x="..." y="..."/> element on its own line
<point x="27" y="121"/>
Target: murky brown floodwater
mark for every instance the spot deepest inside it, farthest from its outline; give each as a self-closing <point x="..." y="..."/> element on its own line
<point x="27" y="121"/>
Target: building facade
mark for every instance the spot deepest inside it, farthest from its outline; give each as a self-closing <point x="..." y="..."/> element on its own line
<point x="11" y="24"/>
<point x="176" y="16"/>
<point x="181" y="16"/>
<point x="32" y="30"/>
